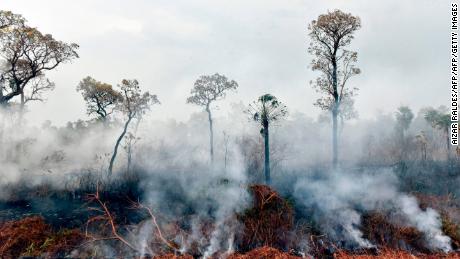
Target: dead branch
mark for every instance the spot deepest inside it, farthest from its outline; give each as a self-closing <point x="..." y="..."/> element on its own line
<point x="138" y="205"/>
<point x="109" y="218"/>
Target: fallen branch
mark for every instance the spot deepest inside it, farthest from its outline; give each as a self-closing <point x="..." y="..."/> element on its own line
<point x="109" y="218"/>
<point x="138" y="205"/>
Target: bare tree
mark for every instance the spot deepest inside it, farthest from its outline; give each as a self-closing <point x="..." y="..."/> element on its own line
<point x="330" y="34"/>
<point x="205" y="91"/>
<point x="100" y="98"/>
<point x="133" y="105"/>
<point x="267" y="110"/>
<point x="27" y="54"/>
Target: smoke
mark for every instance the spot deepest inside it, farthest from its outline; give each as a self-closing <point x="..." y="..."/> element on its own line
<point x="178" y="182"/>
<point x="202" y="194"/>
<point x="340" y="198"/>
<point x="51" y="155"/>
<point x="427" y="221"/>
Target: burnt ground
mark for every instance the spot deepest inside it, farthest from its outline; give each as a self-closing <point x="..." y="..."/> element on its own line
<point x="277" y="225"/>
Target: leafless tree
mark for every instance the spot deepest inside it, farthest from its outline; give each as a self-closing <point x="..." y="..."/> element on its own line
<point x="330" y="34"/>
<point x="205" y="91"/>
<point x="133" y="105"/>
<point x="100" y="98"/>
<point x="27" y="54"/>
<point x="265" y="111"/>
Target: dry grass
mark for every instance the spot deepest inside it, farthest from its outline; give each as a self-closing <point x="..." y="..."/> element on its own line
<point x="268" y="222"/>
<point x="172" y="256"/>
<point x="379" y="230"/>
<point x="263" y="253"/>
<point x="452" y="229"/>
<point x="33" y="237"/>
<point x="394" y="254"/>
<point x="450" y="214"/>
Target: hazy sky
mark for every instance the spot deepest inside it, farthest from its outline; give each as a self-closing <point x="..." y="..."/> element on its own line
<point x="403" y="49"/>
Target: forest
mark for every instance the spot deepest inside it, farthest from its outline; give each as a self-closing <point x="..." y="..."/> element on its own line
<point x="256" y="180"/>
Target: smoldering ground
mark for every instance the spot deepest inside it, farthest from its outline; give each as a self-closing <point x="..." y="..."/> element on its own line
<point x="339" y="200"/>
<point x="173" y="178"/>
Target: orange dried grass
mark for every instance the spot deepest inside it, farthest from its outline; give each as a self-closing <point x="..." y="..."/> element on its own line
<point x="268" y="222"/>
<point x="379" y="230"/>
<point x="173" y="256"/>
<point x="32" y="236"/>
<point x="264" y="252"/>
<point x="394" y="254"/>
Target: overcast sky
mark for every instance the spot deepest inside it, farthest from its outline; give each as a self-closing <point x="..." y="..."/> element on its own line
<point x="403" y="49"/>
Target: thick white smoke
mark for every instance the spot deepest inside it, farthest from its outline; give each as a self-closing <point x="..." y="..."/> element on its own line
<point x="339" y="198"/>
<point x="173" y="157"/>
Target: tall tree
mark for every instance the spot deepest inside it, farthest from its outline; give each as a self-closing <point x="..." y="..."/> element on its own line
<point x="134" y="104"/>
<point x="404" y="117"/>
<point x="206" y="90"/>
<point x="441" y="121"/>
<point x="265" y="111"/>
<point x="27" y="54"/>
<point x="330" y="34"/>
<point x="100" y="98"/>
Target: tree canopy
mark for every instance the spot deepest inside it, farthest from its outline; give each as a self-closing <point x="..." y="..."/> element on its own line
<point x="209" y="88"/>
<point x="26" y="55"/>
<point x="100" y="98"/>
<point x="404" y="116"/>
<point x="267" y="109"/>
<point x="330" y="34"/>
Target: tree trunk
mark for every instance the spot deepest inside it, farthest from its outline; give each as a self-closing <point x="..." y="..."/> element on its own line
<point x="129" y="159"/>
<point x="211" y="135"/>
<point x="335" y="112"/>
<point x="23" y="100"/>
<point x="132" y="141"/>
<point x="267" y="154"/>
<point x="115" y="150"/>
<point x="2" y="101"/>
<point x="22" y="107"/>
<point x="403" y="145"/>
<point x="334" y="139"/>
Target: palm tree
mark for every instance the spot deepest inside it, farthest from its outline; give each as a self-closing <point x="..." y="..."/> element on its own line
<point x="266" y="110"/>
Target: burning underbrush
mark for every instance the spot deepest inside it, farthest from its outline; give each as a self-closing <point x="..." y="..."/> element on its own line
<point x="264" y="252"/>
<point x="31" y="236"/>
<point x="378" y="229"/>
<point x="270" y="226"/>
<point x="394" y="254"/>
<point x="268" y="222"/>
<point x="449" y="208"/>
